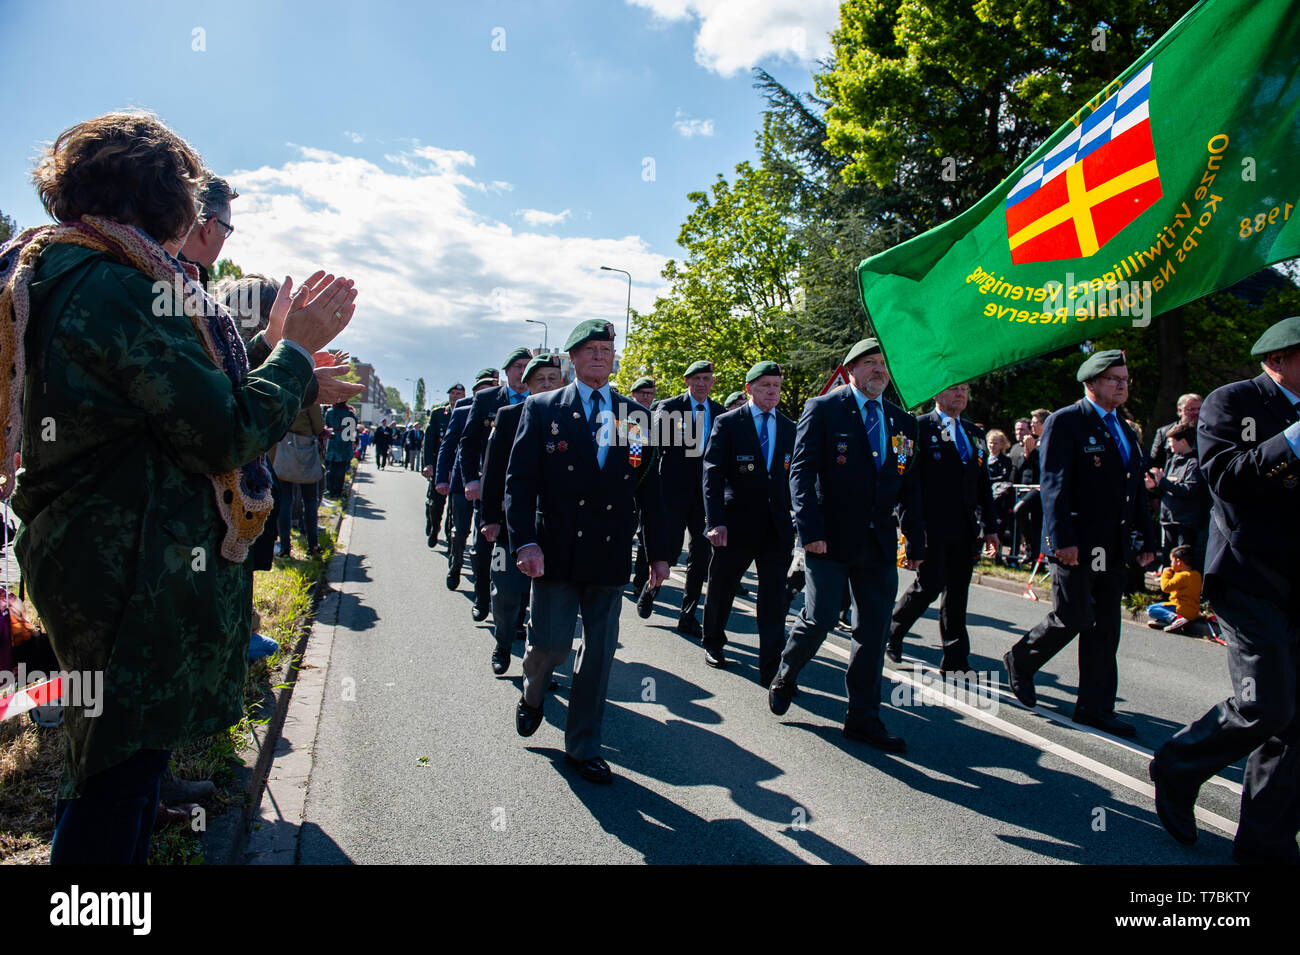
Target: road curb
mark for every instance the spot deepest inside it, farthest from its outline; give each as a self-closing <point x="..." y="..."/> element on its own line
<point x="227" y="840"/>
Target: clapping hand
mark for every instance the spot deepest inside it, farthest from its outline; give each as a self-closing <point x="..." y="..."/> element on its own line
<point x="314" y="314"/>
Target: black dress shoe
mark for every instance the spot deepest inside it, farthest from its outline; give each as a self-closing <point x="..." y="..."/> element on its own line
<point x="778" y="698"/>
<point x="453" y="578"/>
<point x="1021" y="686"/>
<point x="894" y="653"/>
<point x="500" y="661"/>
<point x="689" y="627"/>
<point x="715" y="659"/>
<point x="433" y="540"/>
<point x="638" y="585"/>
<point x="645" y="604"/>
<point x="874" y="733"/>
<point x="481" y="610"/>
<point x="1105" y="721"/>
<point x="527" y="719"/>
<point x="592" y="770"/>
<point x="1176" y="814"/>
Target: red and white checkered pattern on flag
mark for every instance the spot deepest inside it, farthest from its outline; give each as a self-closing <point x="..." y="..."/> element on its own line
<point x="38" y="694"/>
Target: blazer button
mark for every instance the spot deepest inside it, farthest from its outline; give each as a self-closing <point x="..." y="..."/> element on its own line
<point x="609" y="507"/>
<point x="607" y="538"/>
<point x="581" y="502"/>
<point x="579" y="533"/>
<point x="570" y="467"/>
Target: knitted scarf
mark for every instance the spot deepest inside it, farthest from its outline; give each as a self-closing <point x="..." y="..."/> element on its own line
<point x="243" y="496"/>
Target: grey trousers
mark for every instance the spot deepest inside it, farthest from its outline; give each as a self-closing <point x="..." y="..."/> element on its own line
<point x="555" y="607"/>
<point x="509" y="589"/>
<point x="874" y="586"/>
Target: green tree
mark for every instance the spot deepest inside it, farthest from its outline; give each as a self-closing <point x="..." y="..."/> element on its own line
<point x="419" y="396"/>
<point x="731" y="298"/>
<point x="225" y="269"/>
<point x="394" y="399"/>
<point x="8" y="228"/>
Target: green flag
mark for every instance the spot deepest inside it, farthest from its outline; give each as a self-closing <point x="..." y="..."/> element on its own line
<point x="1178" y="179"/>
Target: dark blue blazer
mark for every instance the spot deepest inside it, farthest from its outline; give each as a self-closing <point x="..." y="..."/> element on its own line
<point x="840" y="494"/>
<point x="473" y="441"/>
<point x="447" y="471"/>
<point x="1090" y="497"/>
<point x="740" y="493"/>
<point x="1254" y="480"/>
<point x="958" y="498"/>
<point x="582" y="516"/>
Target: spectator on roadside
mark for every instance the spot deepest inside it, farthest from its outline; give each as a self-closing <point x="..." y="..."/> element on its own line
<point x="1017" y="451"/>
<point x="1184" y="497"/>
<point x="155" y="458"/>
<point x="1002" y="480"/>
<point x="364" y="441"/>
<point x="1189" y="412"/>
<point x="343" y="421"/>
<point x="213" y="228"/>
<point x="1028" y="510"/>
<point x="1182" y="583"/>
<point x="298" y="467"/>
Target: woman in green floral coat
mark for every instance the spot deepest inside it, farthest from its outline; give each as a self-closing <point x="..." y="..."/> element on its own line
<point x="143" y="482"/>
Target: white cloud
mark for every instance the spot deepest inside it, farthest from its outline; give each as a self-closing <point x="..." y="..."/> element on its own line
<point x="441" y="285"/>
<point x="538" y="217"/>
<point x="735" y="35"/>
<point x="692" y="127"/>
<point x="355" y="137"/>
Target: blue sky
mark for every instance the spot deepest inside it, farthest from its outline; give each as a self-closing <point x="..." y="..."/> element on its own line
<point x="466" y="187"/>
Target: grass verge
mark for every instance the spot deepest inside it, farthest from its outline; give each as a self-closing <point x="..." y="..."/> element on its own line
<point x="31" y="756"/>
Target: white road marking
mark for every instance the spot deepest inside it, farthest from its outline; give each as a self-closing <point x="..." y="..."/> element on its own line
<point x="1221" y="823"/>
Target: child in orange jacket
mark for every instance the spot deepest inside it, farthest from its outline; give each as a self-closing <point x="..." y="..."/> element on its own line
<point x="1183" y="585"/>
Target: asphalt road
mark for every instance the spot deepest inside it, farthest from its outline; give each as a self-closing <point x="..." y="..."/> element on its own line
<point x="416" y="759"/>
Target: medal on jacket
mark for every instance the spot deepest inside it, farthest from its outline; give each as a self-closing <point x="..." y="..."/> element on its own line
<point x="902" y="446"/>
<point x="555" y="427"/>
<point x="634" y="445"/>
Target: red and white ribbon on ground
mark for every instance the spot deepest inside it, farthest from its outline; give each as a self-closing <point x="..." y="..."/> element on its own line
<point x="38" y="694"/>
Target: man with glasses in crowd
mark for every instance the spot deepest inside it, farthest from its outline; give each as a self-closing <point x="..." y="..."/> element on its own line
<point x="1093" y="498"/>
<point x="213" y="228"/>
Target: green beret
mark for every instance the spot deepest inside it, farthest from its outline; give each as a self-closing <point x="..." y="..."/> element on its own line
<point x="1098" y="363"/>
<point x="486" y="380"/>
<point x="541" y="361"/>
<point x="868" y="346"/>
<point x="485" y="373"/>
<point x="515" y="355"/>
<point x="761" y="369"/>
<point x="698" y="367"/>
<point x="455" y="386"/>
<point x="643" y="383"/>
<point x="592" y="330"/>
<point x="1285" y="334"/>
<point x="734" y="396"/>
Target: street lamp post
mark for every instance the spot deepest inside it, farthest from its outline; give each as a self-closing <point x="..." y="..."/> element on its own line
<point x="546" y="330"/>
<point x="627" y="319"/>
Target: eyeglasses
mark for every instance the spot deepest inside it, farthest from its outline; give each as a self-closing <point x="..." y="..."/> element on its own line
<point x="225" y="225"/>
<point x="1126" y="382"/>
